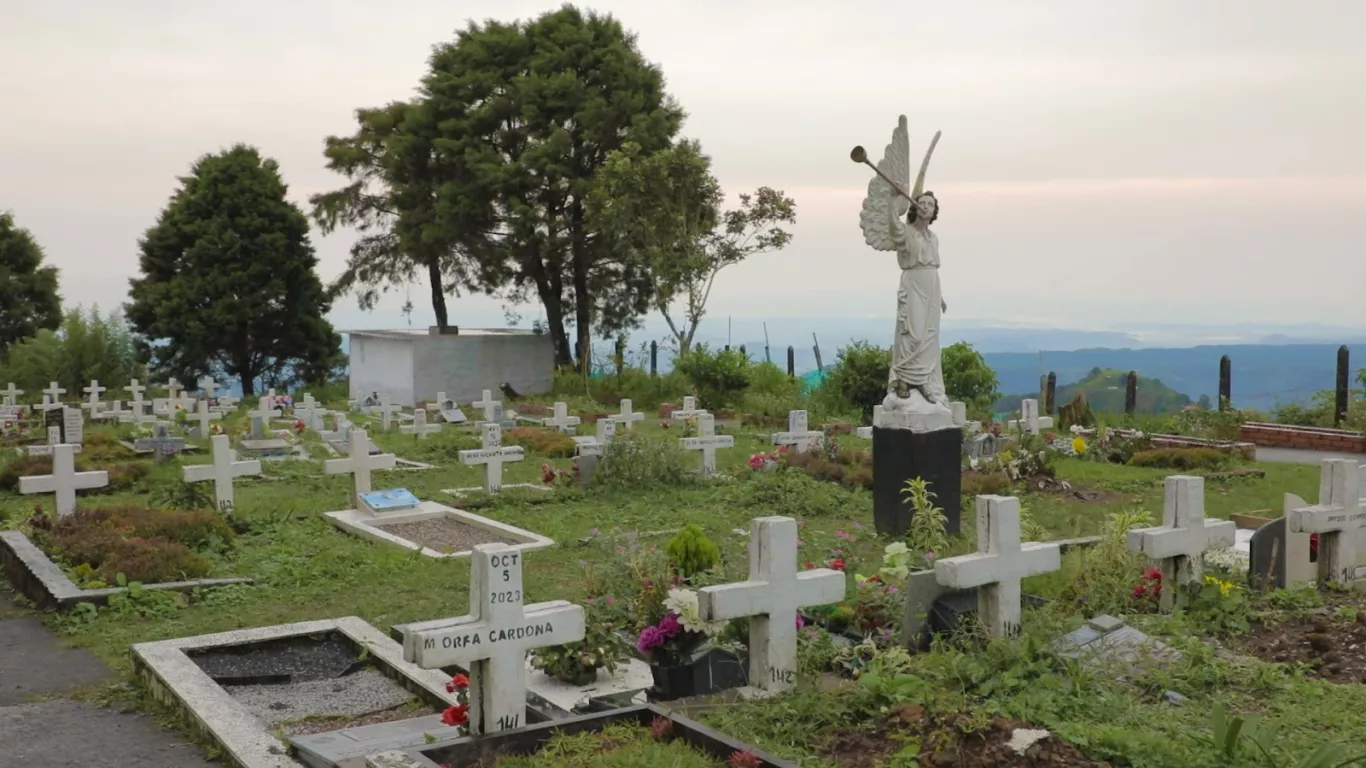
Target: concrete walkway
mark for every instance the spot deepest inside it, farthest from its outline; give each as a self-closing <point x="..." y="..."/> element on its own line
<point x="1302" y="456"/>
<point x="40" y="727"/>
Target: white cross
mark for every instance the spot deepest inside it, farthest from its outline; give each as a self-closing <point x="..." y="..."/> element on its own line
<point x="359" y="463"/>
<point x="627" y="417"/>
<point x="606" y="430"/>
<point x="999" y="565"/>
<point x="136" y="391"/>
<point x="208" y="386"/>
<point x="266" y="410"/>
<point x="493" y="638"/>
<point x="203" y="415"/>
<point x="688" y="410"/>
<point x="64" y="480"/>
<point x="12" y="395"/>
<point x="1030" y="421"/>
<point x="420" y="427"/>
<point x="487" y="403"/>
<point x="1183" y="537"/>
<point x="797" y="434"/>
<point x="562" y="421"/>
<point x="223" y="469"/>
<point x="1337" y="519"/>
<point x="492" y="453"/>
<point x="172" y="388"/>
<point x="707" y="441"/>
<point x="94" y="390"/>
<point x="386" y="414"/>
<point x="55" y="392"/>
<point x="770" y="598"/>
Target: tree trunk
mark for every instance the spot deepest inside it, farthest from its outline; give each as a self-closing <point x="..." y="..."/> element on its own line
<point x="553" y="301"/>
<point x="583" y="302"/>
<point x="438" y="295"/>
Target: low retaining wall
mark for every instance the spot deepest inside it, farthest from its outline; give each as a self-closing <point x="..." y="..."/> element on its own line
<point x="1245" y="449"/>
<point x="1308" y="438"/>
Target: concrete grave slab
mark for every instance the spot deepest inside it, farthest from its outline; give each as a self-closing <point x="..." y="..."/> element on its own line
<point x="368" y="525"/>
<point x="35" y="576"/>
<point x="173" y="677"/>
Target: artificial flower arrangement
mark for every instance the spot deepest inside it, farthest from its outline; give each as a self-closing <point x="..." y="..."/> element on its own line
<point x="676" y="637"/>
<point x="603" y="646"/>
<point x="458" y="716"/>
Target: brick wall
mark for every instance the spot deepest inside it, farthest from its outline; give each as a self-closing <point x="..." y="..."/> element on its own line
<point x="1308" y="438"/>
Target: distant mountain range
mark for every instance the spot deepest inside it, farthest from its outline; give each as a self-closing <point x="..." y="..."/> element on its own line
<point x="1105" y="390"/>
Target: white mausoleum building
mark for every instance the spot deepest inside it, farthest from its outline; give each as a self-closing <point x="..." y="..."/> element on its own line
<point x="410" y="366"/>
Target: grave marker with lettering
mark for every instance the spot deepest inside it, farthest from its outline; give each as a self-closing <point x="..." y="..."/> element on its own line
<point x="493" y="639"/>
<point x="770" y="599"/>
<point x="222" y="471"/>
<point x="491" y="454"/>
<point x="707" y="441"/>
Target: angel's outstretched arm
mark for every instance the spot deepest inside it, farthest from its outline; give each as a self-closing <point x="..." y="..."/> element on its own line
<point x="896" y="227"/>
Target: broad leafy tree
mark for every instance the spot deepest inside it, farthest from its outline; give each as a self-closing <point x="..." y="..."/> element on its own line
<point x="521" y="117"/>
<point x="967" y="377"/>
<point x="228" y="285"/>
<point x="389" y="200"/>
<point x="88" y="346"/>
<point x="28" y="289"/>
<point x="664" y="208"/>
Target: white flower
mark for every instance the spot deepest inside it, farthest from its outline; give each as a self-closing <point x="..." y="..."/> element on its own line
<point x="684" y="603"/>
<point x="1077" y="429"/>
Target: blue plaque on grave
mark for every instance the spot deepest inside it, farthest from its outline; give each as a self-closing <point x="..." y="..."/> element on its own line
<point x="389" y="500"/>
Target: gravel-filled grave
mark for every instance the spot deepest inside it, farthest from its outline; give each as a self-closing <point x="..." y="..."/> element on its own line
<point x="445" y="534"/>
<point x="305" y="679"/>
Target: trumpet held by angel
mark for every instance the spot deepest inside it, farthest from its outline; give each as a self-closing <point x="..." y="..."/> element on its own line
<point x="896" y="216"/>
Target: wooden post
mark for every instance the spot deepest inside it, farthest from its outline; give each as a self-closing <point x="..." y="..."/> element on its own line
<point x="817" y="347"/>
<point x="1225" y="382"/>
<point x="1344" y="382"/>
<point x="654" y="359"/>
<point x="620" y="356"/>
<point x="1131" y="393"/>
<point x="791" y="361"/>
<point x="743" y="353"/>
<point x="1052" y="393"/>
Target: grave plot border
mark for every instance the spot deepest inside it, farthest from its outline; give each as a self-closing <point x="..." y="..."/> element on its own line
<point x="166" y="670"/>
<point x="37" y="578"/>
<point x="366" y="525"/>
<point x="469" y="751"/>
<point x="478" y="489"/>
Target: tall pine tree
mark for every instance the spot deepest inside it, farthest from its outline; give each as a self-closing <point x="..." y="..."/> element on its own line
<point x="28" y="290"/>
<point x="228" y="283"/>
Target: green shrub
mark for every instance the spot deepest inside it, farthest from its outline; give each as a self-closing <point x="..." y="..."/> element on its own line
<point x="151" y="561"/>
<point x="121" y="476"/>
<point x="639" y="460"/>
<point x="794" y="493"/>
<point x="691" y="551"/>
<point x="768" y="380"/>
<point x="719" y="378"/>
<point x="852" y="468"/>
<point x="858" y="379"/>
<point x="1181" y="458"/>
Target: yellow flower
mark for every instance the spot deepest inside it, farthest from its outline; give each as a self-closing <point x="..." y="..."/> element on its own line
<point x="1078" y="445"/>
<point x="1225" y="587"/>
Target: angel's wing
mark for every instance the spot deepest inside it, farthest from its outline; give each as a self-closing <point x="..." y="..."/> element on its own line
<point x="876" y="217"/>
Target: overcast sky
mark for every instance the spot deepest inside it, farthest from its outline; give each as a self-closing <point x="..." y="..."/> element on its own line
<point x="1122" y="161"/>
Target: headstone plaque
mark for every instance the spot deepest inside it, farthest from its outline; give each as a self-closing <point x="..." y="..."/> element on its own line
<point x="389" y="500"/>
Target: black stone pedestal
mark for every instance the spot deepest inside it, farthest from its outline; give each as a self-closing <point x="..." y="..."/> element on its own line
<point x="900" y="455"/>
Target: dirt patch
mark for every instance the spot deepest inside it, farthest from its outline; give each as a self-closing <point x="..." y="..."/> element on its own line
<point x="942" y="742"/>
<point x="1332" y="644"/>
<point x="445" y="534"/>
<point x="1045" y="484"/>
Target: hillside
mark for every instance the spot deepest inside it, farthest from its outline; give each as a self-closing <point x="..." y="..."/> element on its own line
<point x="1104" y="389"/>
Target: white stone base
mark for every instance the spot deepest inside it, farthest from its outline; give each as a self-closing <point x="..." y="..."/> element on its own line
<point x="630" y="682"/>
<point x="165" y="666"/>
<point x="915" y="421"/>
<point x="365" y="524"/>
<point x="864" y="432"/>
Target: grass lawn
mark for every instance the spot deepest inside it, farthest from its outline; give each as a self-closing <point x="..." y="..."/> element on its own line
<point x="304" y="568"/>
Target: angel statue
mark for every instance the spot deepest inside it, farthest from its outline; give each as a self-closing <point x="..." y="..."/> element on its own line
<point x="916" y="380"/>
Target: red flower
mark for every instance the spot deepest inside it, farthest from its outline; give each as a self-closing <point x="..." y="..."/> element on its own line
<point x="457" y="683"/>
<point x="660" y="728"/>
<point x="1139" y="591"/>
<point x="810" y="565"/>
<point x="837" y="564"/>
<point x="547" y="474"/>
<point x="1314" y="544"/>
<point x="1152" y="573"/>
<point x="745" y="759"/>
<point x="457" y="715"/>
<point x="663" y="425"/>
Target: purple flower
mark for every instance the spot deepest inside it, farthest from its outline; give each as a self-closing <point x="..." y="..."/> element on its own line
<point x="891" y="590"/>
<point x="800" y="621"/>
<point x="669" y="626"/>
<point x="593" y="531"/>
<point x="610" y="600"/>
<point x="650" y="639"/>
